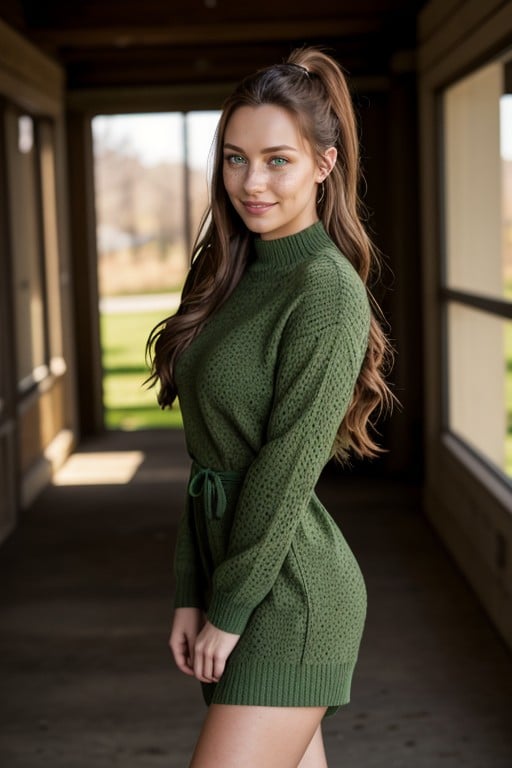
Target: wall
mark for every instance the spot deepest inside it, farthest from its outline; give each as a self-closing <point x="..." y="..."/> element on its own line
<point x="468" y="502"/>
<point x="37" y="382"/>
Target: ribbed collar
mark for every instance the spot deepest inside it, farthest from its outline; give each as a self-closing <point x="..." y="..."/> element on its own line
<point x="287" y="251"/>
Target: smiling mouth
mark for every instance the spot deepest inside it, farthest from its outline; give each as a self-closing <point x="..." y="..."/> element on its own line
<point x="257" y="208"/>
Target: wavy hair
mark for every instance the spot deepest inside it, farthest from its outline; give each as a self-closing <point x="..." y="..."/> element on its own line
<point x="313" y="88"/>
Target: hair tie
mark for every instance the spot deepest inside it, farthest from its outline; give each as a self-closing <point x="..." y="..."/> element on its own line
<point x="302" y="69"/>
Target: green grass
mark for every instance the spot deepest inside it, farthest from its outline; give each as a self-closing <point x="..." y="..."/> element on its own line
<point x="128" y="403"/>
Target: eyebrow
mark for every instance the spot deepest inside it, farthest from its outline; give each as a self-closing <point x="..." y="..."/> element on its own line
<point x="263" y="151"/>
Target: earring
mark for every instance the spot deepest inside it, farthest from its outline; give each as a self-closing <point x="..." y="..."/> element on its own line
<point x="322" y="193"/>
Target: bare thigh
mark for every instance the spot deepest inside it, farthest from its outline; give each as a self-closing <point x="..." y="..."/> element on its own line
<point x="314" y="756"/>
<point x="252" y="737"/>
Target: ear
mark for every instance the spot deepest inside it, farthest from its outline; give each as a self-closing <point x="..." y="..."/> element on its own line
<point x="326" y="163"/>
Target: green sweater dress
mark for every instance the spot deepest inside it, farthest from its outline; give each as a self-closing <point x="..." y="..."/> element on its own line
<point x="263" y="389"/>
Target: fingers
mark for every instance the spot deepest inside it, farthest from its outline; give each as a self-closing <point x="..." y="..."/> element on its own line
<point x="201" y="653"/>
<point x="211" y="652"/>
<point x="219" y="665"/>
<point x="202" y="663"/>
<point x="186" y="624"/>
<point x="209" y="664"/>
<point x="182" y="654"/>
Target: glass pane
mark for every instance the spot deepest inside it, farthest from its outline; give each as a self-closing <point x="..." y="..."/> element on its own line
<point x="506" y="166"/>
<point x="142" y="252"/>
<point x="26" y="256"/>
<point x="139" y="174"/>
<point x="478" y="183"/>
<point x="50" y="236"/>
<point x="201" y="128"/>
<point x="480" y="383"/>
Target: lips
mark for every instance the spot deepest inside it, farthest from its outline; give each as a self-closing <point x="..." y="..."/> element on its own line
<point x="257" y="208"/>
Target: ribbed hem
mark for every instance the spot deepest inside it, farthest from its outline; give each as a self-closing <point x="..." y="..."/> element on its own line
<point x="267" y="683"/>
<point x="287" y="251"/>
<point x="223" y="614"/>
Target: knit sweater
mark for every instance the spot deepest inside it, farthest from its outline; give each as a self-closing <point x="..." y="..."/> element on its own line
<point x="263" y="389"/>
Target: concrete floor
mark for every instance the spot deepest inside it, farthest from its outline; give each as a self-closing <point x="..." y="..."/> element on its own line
<point x="85" y="593"/>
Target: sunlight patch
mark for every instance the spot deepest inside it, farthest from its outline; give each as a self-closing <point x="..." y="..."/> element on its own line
<point x="101" y="468"/>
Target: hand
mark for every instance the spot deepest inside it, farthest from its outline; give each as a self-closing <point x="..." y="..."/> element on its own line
<point x="211" y="652"/>
<point x="186" y="625"/>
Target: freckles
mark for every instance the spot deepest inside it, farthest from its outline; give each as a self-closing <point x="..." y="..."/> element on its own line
<point x="232" y="177"/>
<point x="291" y="183"/>
<point x="287" y="181"/>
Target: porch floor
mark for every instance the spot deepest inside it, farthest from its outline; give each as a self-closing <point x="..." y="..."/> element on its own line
<point x="85" y="600"/>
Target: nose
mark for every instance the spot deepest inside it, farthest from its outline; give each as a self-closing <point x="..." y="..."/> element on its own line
<point x="255" y="179"/>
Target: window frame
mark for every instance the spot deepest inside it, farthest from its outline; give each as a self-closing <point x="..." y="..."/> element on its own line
<point x="501" y="308"/>
<point x="40" y="374"/>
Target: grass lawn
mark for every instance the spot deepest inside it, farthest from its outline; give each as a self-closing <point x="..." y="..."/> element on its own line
<point x="128" y="403"/>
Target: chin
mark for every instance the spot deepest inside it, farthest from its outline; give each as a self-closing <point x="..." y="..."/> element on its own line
<point x="257" y="227"/>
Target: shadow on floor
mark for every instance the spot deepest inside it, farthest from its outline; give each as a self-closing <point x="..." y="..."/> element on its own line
<point x="85" y="596"/>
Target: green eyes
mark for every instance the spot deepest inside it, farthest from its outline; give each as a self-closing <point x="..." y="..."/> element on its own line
<point x="237" y="160"/>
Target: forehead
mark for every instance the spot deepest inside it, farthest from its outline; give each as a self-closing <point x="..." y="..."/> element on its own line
<point x="263" y="126"/>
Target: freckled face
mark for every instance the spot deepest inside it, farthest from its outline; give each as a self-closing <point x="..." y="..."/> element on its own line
<point x="270" y="172"/>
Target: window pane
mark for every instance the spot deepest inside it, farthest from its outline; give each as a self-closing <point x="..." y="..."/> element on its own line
<point x="142" y="252"/>
<point x="50" y="236"/>
<point x="140" y="218"/>
<point x="477" y="184"/>
<point x="200" y="134"/>
<point x="480" y="382"/>
<point x="25" y="243"/>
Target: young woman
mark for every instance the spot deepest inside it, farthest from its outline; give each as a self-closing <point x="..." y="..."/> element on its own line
<point x="277" y="359"/>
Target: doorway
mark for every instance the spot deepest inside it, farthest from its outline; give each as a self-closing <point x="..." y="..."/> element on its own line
<point x="151" y="190"/>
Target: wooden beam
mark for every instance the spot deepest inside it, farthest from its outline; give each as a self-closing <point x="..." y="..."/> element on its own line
<point x="189" y="34"/>
<point x="193" y="96"/>
<point x="158" y="99"/>
<point x="85" y="272"/>
<point x="27" y="76"/>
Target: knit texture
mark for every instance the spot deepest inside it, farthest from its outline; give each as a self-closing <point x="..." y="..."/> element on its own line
<point x="263" y="389"/>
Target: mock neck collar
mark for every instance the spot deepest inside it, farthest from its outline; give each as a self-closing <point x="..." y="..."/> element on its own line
<point x="287" y="251"/>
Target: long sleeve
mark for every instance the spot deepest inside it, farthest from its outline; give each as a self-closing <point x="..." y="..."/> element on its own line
<point x="187" y="568"/>
<point x="320" y="357"/>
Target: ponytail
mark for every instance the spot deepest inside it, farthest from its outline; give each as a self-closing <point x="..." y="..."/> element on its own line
<point x="312" y="87"/>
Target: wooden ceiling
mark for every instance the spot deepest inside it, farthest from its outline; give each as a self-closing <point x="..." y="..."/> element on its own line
<point x="120" y="43"/>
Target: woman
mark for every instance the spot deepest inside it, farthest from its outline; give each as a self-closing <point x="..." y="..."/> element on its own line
<point x="277" y="360"/>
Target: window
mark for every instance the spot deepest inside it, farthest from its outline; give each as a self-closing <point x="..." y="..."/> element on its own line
<point x="27" y="256"/>
<point x="151" y="192"/>
<point x="477" y="279"/>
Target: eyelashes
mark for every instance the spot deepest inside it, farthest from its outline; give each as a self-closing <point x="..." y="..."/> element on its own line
<point x="234" y="159"/>
<point x="238" y="161"/>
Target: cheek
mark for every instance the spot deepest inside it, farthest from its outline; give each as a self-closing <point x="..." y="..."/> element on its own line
<point x="232" y="178"/>
<point x="296" y="183"/>
<point x="226" y="179"/>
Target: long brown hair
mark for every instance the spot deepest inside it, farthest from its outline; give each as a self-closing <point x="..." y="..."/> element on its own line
<point x="312" y="87"/>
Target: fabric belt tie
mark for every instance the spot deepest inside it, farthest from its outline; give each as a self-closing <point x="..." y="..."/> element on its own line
<point x="209" y="484"/>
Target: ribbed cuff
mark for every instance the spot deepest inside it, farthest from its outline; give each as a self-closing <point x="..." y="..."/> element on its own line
<point x="225" y="615"/>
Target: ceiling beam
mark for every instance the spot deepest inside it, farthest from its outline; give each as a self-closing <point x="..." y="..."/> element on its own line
<point x="197" y="34"/>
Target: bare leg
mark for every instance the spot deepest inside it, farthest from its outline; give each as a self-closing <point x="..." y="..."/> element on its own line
<point x="252" y="737"/>
<point x="315" y="757"/>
